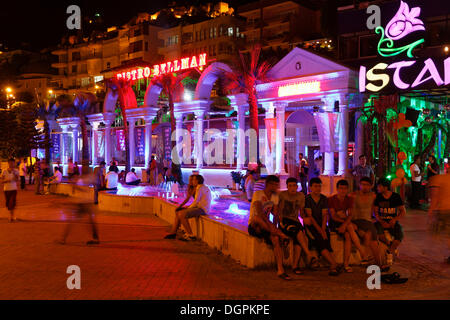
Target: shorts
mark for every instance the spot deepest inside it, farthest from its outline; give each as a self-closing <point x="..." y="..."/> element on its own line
<point x="10" y="199"/>
<point x="366" y="226"/>
<point x="396" y="232"/>
<point x="439" y="222"/>
<point x="194" y="212"/>
<point x="334" y="225"/>
<point x="291" y="228"/>
<point x="260" y="234"/>
<point x="316" y="241"/>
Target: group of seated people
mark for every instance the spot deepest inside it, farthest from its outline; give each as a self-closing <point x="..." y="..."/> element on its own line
<point x="361" y="217"/>
<point x="112" y="178"/>
<point x="351" y="216"/>
<point x="54" y="179"/>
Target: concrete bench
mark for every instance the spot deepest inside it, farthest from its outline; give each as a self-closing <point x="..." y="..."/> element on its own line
<point x="228" y="238"/>
<point x="84" y="192"/>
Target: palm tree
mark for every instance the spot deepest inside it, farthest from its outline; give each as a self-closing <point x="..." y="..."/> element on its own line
<point x="171" y="86"/>
<point x="247" y="73"/>
<point x="47" y="112"/>
<point x="84" y="104"/>
<point x="126" y="100"/>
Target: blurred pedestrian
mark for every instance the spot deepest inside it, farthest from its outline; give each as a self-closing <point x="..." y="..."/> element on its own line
<point x="153" y="171"/>
<point x="23" y="172"/>
<point x="82" y="209"/>
<point x="416" y="183"/>
<point x="10" y="178"/>
<point x="439" y="211"/>
<point x="70" y="169"/>
<point x="38" y="176"/>
<point x="98" y="180"/>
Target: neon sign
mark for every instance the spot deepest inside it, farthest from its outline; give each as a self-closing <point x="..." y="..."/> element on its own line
<point x="404" y="22"/>
<point x="303" y="87"/>
<point x="163" y="68"/>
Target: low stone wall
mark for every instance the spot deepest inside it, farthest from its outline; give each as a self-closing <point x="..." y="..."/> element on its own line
<point x="235" y="242"/>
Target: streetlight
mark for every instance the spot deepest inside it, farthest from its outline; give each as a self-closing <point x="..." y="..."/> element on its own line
<point x="8" y="96"/>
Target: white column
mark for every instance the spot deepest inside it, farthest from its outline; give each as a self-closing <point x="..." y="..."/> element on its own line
<point x="75" y="133"/>
<point x="132" y="146"/>
<point x="343" y="141"/>
<point x="240" y="138"/>
<point x="94" y="140"/>
<point x="178" y="134"/>
<point x="269" y="152"/>
<point x="328" y="168"/>
<point x="108" y="146"/>
<point x="281" y="126"/>
<point x="62" y="146"/>
<point x="199" y="137"/>
<point x="359" y="139"/>
<point x="148" y="140"/>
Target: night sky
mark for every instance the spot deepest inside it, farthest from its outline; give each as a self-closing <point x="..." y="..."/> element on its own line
<point x="41" y="24"/>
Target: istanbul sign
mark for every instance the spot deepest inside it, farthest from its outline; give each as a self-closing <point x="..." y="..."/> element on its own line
<point x="163" y="68"/>
<point x="418" y="72"/>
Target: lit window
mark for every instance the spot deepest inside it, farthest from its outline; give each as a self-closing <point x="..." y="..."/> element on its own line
<point x="230" y="31"/>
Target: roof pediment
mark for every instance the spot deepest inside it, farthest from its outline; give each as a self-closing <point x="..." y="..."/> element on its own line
<point x="300" y="62"/>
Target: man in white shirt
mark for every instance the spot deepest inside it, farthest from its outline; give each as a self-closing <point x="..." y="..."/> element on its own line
<point x="9" y="178"/>
<point x="131" y="179"/>
<point x="55" y="179"/>
<point x="416" y="182"/>
<point x="23" y="172"/>
<point x="200" y="206"/>
<point x="250" y="185"/>
<point x="112" y="179"/>
<point x="265" y="202"/>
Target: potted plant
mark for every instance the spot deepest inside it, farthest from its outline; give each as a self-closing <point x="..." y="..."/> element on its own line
<point x="236" y="177"/>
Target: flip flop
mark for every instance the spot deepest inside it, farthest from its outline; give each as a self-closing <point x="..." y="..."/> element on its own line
<point x="348" y="269"/>
<point x="298" y="271"/>
<point x="285" y="276"/>
<point x="313" y="264"/>
<point x="393" y="278"/>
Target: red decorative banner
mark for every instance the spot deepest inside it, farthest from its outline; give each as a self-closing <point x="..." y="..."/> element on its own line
<point x="271" y="126"/>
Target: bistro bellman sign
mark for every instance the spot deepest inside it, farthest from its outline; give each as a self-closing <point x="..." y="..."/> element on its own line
<point x="163" y="68"/>
<point x="398" y="68"/>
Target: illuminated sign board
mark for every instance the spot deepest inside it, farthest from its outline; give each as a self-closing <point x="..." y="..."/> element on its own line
<point x="405" y="74"/>
<point x="297" y="88"/>
<point x="163" y="68"/>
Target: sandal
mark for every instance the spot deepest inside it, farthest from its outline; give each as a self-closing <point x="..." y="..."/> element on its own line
<point x="284" y="276"/>
<point x="365" y="262"/>
<point x="298" y="271"/>
<point x="348" y="269"/>
<point x="313" y="263"/>
<point x="333" y="272"/>
<point x="393" y="278"/>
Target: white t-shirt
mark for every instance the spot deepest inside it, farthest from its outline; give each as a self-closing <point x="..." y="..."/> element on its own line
<point x="202" y="198"/>
<point x="131" y="177"/>
<point x="58" y="176"/>
<point x="415" y="167"/>
<point x="267" y="204"/>
<point x="249" y="186"/>
<point x="23" y="169"/>
<point x="9" y="179"/>
<point x="112" y="180"/>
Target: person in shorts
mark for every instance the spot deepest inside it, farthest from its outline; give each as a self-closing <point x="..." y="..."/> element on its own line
<point x="362" y="216"/>
<point x="340" y="208"/>
<point x="10" y="178"/>
<point x="291" y="204"/>
<point x="263" y="203"/>
<point x="439" y="211"/>
<point x="200" y="206"/>
<point x="316" y="208"/>
<point x="389" y="209"/>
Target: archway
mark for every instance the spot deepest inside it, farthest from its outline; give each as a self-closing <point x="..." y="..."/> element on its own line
<point x="152" y="95"/>
<point x="301" y="136"/>
<point x="209" y="76"/>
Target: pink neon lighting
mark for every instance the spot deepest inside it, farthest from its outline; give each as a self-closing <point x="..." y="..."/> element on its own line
<point x="397" y="66"/>
<point x="163" y="68"/>
<point x="404" y="22"/>
<point x="303" y="87"/>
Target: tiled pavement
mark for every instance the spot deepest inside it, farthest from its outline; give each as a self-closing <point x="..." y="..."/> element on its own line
<point x="133" y="262"/>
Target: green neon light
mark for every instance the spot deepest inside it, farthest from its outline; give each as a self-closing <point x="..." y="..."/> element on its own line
<point x="389" y="51"/>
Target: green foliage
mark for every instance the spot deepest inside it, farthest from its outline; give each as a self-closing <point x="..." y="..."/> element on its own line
<point x="18" y="133"/>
